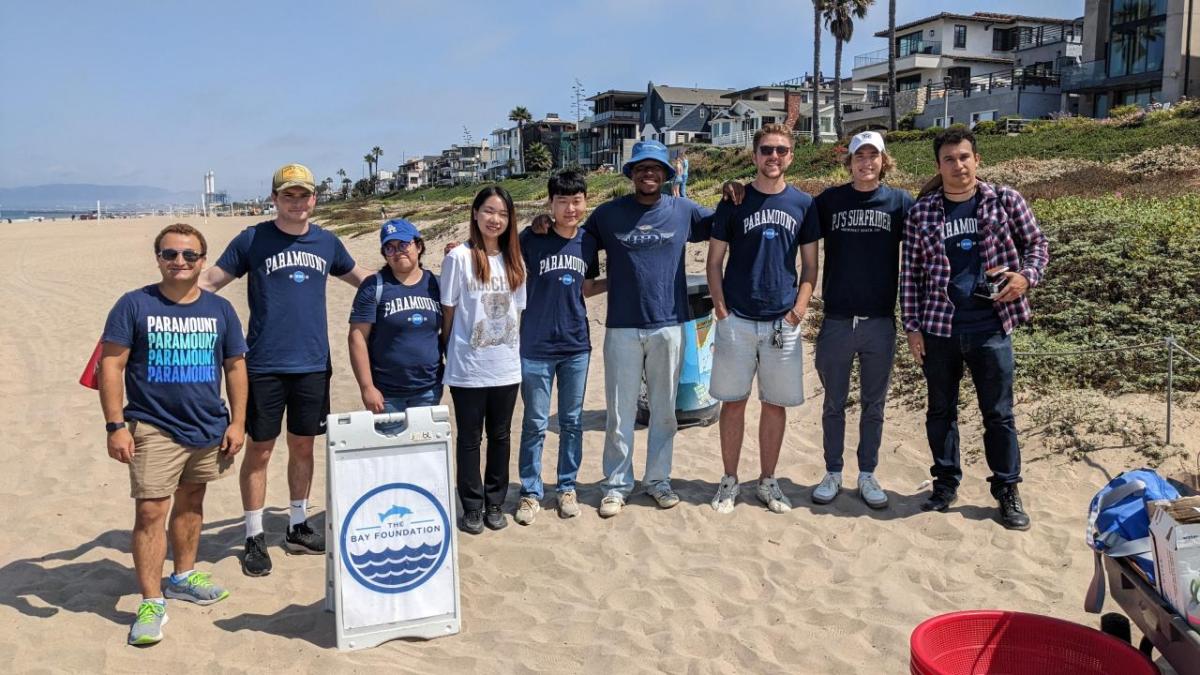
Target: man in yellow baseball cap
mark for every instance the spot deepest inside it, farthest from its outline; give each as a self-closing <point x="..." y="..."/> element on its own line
<point x="293" y="175"/>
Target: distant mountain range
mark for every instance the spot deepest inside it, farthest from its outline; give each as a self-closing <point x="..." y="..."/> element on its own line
<point x="84" y="196"/>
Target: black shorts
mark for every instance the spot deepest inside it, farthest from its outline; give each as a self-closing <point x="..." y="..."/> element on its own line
<point x="305" y="395"/>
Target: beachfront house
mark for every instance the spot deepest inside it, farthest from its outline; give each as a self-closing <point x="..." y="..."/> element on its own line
<point x="953" y="68"/>
<point x="680" y="115"/>
<point x="788" y="103"/>
<point x="505" y="157"/>
<point x="462" y="164"/>
<point x="576" y="146"/>
<point x="616" y="115"/>
<point x="549" y="132"/>
<point x="412" y="174"/>
<point x="1135" y="51"/>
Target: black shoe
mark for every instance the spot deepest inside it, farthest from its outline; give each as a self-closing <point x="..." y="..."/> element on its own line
<point x="303" y="539"/>
<point x="256" y="562"/>
<point x="940" y="500"/>
<point x="472" y="522"/>
<point x="495" y="519"/>
<point x="1012" y="514"/>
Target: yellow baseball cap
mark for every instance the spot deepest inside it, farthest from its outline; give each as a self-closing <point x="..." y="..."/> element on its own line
<point x="293" y="175"/>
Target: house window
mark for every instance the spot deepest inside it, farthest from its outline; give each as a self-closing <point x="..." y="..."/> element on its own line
<point x="804" y="124"/>
<point x="943" y="122"/>
<point x="982" y="116"/>
<point x="960" y="37"/>
<point x="827" y="125"/>
<point x="1137" y="32"/>
<point x="676" y="110"/>
<point x="1004" y="39"/>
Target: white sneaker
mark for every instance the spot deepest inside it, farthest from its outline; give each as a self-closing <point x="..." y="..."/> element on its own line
<point x="871" y="493"/>
<point x="727" y="493"/>
<point x="769" y="493"/>
<point x="611" y="505"/>
<point x="527" y="511"/>
<point x="829" y="488"/>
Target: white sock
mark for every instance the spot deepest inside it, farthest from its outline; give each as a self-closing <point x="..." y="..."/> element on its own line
<point x="159" y="600"/>
<point x="254" y="523"/>
<point x="181" y="577"/>
<point x="298" y="512"/>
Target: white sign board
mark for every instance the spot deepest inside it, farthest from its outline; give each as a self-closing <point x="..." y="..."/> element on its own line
<point x="392" y="553"/>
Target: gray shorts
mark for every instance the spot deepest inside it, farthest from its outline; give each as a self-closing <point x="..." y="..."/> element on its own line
<point x="744" y="347"/>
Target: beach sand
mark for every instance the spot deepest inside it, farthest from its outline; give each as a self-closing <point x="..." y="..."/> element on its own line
<point x="823" y="589"/>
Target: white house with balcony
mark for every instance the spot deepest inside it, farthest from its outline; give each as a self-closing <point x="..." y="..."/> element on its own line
<point x="966" y="55"/>
<point x="788" y="104"/>
<point x="505" y="156"/>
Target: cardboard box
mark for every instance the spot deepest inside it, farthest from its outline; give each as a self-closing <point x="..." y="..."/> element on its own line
<point x="1175" y="532"/>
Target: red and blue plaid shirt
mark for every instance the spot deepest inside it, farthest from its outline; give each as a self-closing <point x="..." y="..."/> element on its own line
<point x="1010" y="237"/>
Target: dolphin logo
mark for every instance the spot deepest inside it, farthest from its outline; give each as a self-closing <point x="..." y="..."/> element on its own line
<point x="396" y="511"/>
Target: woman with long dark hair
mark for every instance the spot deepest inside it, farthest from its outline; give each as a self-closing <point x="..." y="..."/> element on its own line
<point x="483" y="294"/>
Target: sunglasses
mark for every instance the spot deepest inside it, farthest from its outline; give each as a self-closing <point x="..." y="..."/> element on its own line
<point x="768" y="150"/>
<point x="170" y="254"/>
<point x="394" y="247"/>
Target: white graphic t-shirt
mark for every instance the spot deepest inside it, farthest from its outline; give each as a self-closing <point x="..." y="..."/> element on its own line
<point x="484" y="345"/>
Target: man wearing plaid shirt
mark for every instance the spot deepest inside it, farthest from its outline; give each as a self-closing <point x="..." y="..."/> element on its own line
<point x="971" y="252"/>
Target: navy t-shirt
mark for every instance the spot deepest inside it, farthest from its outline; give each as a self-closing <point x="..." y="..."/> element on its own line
<point x="288" y="331"/>
<point x="647" y="284"/>
<point x="764" y="232"/>
<point x="863" y="232"/>
<point x="555" y="324"/>
<point x="972" y="314"/>
<point x="177" y="354"/>
<point x="406" y="356"/>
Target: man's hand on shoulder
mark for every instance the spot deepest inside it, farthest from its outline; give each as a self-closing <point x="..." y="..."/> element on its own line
<point x="541" y="224"/>
<point x="733" y="191"/>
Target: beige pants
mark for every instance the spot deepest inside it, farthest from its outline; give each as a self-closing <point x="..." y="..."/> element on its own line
<point x="160" y="464"/>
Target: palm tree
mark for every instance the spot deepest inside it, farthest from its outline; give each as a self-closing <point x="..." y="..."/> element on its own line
<point x="369" y="158"/>
<point x="345" y="182"/>
<point x="839" y="18"/>
<point x="520" y="115"/>
<point x="377" y="152"/>
<point x="818" y="8"/>
<point x="539" y="158"/>
<point x="892" y="65"/>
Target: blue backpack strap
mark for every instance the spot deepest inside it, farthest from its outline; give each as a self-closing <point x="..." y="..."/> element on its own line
<point x="378" y="287"/>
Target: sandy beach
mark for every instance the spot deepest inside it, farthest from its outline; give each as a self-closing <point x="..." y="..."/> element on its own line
<point x="823" y="589"/>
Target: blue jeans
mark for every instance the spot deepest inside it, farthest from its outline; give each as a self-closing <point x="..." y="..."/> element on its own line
<point x="537" y="376"/>
<point x="629" y="355"/>
<point x="989" y="358"/>
<point x="427" y="397"/>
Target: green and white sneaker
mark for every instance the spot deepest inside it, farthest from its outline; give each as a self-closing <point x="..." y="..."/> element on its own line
<point x="147" y="627"/>
<point x="197" y="587"/>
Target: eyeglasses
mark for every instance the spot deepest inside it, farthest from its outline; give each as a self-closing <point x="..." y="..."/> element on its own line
<point x="170" y="254"/>
<point x="768" y="150"/>
<point x="394" y="247"/>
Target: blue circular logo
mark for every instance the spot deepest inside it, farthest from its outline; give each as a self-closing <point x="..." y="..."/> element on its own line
<point x="416" y="319"/>
<point x="769" y="233"/>
<point x="966" y="244"/>
<point x="567" y="279"/>
<point x="298" y="277"/>
<point x="395" y="538"/>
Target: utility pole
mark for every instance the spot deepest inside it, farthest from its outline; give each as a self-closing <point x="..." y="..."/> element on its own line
<point x="577" y="89"/>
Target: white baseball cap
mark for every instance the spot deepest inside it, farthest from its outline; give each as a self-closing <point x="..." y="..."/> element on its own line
<point x="872" y="138"/>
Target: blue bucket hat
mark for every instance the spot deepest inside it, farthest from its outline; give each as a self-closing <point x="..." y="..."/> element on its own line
<point x="398" y="229"/>
<point x="649" y="150"/>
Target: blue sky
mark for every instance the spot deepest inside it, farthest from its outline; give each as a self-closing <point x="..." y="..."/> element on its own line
<point x="158" y="93"/>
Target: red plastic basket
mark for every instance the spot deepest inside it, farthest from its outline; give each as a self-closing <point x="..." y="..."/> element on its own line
<point x="1003" y="643"/>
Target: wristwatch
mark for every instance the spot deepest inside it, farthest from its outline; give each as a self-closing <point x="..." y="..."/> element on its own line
<point x="113" y="426"/>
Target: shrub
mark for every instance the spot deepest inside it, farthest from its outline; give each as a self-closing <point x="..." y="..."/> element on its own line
<point x="902" y="136"/>
<point x="1123" y="110"/>
<point x="908" y="122"/>
<point x="930" y="133"/>
<point x="985" y="127"/>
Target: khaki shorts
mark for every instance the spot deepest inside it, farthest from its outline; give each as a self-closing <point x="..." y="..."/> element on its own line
<point x="160" y="465"/>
